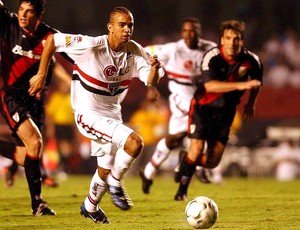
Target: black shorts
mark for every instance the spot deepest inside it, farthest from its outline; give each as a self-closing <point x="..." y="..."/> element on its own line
<point x="16" y="106"/>
<point x="210" y="123"/>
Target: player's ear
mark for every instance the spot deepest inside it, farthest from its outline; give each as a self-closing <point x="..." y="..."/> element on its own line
<point x="109" y="27"/>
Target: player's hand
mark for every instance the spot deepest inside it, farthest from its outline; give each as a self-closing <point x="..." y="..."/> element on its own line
<point x="37" y="83"/>
<point x="249" y="84"/>
<point x="154" y="62"/>
<point x="249" y="112"/>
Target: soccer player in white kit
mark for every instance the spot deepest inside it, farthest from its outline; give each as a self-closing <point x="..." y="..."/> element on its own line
<point x="103" y="69"/>
<point x="181" y="61"/>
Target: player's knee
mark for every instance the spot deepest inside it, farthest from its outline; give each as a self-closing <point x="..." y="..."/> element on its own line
<point x="134" y="145"/>
<point x="34" y="147"/>
<point x="174" y="141"/>
<point x="103" y="173"/>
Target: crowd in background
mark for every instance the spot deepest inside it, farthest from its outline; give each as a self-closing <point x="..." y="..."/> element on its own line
<point x="281" y="60"/>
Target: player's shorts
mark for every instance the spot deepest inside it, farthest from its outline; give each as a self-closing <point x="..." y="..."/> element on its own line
<point x="179" y="107"/>
<point x="107" y="136"/>
<point x="17" y="106"/>
<point x="210" y="123"/>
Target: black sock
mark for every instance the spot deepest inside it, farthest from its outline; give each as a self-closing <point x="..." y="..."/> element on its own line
<point x="13" y="168"/>
<point x="34" y="179"/>
<point x="187" y="171"/>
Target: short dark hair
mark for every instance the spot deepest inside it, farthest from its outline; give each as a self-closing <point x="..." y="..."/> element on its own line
<point x="118" y="9"/>
<point x="196" y="23"/>
<point x="238" y="26"/>
<point x="39" y="5"/>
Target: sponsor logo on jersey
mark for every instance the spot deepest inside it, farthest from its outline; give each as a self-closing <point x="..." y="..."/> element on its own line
<point x="19" y="51"/>
<point x="110" y="71"/>
<point x="72" y="40"/>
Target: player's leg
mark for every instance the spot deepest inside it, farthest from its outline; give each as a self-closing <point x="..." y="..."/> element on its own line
<point x="188" y="167"/>
<point x="159" y="156"/>
<point x="29" y="133"/>
<point x="162" y="151"/>
<point x="130" y="146"/>
<point x="8" y="149"/>
<point x="98" y="187"/>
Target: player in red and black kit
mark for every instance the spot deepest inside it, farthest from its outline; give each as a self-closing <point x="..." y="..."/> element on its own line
<point x="227" y="71"/>
<point x="22" y="38"/>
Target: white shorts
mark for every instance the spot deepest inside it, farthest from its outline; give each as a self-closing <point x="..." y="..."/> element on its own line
<point x="107" y="136"/>
<point x="179" y="107"/>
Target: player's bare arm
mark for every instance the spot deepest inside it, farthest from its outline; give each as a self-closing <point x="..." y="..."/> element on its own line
<point x="1" y="4"/>
<point x="153" y="78"/>
<point x="37" y="82"/>
<point x="249" y="108"/>
<point x="216" y="86"/>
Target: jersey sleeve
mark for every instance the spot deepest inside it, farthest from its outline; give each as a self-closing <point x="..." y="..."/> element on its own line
<point x="76" y="46"/>
<point x="257" y="70"/>
<point x="209" y="67"/>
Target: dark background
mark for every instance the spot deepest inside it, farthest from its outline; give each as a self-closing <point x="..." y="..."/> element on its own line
<point x="159" y="22"/>
<point x="154" y="19"/>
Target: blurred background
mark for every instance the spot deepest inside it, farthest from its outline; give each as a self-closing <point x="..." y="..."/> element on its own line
<point x="272" y="32"/>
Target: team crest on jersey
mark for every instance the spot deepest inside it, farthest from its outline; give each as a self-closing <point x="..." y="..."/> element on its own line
<point x="243" y="69"/>
<point x="192" y="128"/>
<point x="16" y="117"/>
<point x="113" y="87"/>
<point x="188" y="64"/>
<point x="110" y="71"/>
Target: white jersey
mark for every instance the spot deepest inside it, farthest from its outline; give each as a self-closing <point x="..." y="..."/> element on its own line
<point x="183" y="66"/>
<point x="181" y="63"/>
<point x="101" y="76"/>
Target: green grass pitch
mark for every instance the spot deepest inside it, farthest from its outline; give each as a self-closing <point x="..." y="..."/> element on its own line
<point x="254" y="204"/>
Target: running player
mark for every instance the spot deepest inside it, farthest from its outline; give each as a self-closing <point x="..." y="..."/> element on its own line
<point x="22" y="36"/>
<point x="181" y="60"/>
<point x="227" y="71"/>
<point x="103" y="69"/>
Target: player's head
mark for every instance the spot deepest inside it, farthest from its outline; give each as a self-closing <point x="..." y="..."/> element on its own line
<point x="232" y="37"/>
<point x="190" y="32"/>
<point x="30" y="13"/>
<point x="39" y="5"/>
<point x="121" y="24"/>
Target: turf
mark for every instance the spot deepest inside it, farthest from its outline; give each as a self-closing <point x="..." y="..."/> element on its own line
<point x="243" y="203"/>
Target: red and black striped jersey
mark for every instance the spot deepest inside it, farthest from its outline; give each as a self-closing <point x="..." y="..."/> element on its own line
<point x="20" y="51"/>
<point x="215" y="67"/>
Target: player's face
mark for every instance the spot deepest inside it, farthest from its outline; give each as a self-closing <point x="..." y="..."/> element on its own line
<point x="27" y="17"/>
<point x="190" y="34"/>
<point x="232" y="43"/>
<point x="121" y="27"/>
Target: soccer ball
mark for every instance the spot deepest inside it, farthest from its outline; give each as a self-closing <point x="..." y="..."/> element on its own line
<point x="201" y="212"/>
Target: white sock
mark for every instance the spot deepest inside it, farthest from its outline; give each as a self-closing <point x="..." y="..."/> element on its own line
<point x="150" y="171"/>
<point x="159" y="156"/>
<point x="122" y="163"/>
<point x="97" y="190"/>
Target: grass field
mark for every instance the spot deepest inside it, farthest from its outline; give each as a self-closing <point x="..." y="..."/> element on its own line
<point x="243" y="203"/>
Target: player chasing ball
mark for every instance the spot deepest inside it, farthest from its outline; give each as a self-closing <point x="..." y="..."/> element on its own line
<point x="103" y="69"/>
<point x="227" y="72"/>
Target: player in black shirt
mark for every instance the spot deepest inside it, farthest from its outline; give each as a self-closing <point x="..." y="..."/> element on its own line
<point x="22" y="38"/>
<point x="227" y="71"/>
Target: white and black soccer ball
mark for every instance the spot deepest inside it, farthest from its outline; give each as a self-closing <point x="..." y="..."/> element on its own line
<point x="201" y="212"/>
